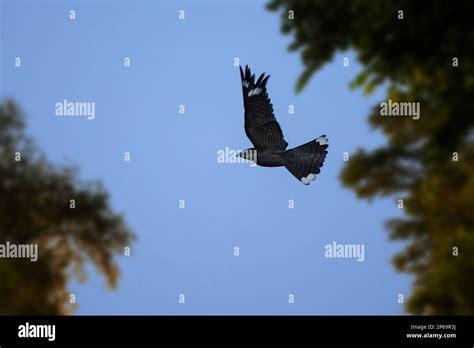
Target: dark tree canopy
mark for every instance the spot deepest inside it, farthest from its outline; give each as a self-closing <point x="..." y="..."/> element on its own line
<point x="424" y="51"/>
<point x="35" y="207"/>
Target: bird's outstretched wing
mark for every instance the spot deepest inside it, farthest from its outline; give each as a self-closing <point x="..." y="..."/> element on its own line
<point x="261" y="125"/>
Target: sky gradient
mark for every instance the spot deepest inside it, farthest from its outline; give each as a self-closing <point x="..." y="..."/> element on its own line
<point x="174" y="156"/>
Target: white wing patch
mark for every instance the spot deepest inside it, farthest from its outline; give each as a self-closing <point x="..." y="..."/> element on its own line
<point x="255" y="91"/>
<point x="322" y="140"/>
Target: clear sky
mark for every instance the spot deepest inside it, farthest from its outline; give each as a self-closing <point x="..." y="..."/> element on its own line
<point x="190" y="251"/>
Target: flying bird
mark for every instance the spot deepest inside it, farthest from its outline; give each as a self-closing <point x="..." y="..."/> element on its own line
<point x="263" y="130"/>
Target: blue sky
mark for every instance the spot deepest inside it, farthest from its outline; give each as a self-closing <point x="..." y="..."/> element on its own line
<point x="190" y="251"/>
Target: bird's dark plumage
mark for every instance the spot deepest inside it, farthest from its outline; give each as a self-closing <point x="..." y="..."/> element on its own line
<point x="263" y="130"/>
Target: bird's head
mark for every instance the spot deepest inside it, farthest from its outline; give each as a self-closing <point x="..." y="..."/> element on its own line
<point x="249" y="154"/>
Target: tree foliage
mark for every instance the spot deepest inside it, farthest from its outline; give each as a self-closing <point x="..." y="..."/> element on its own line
<point x="35" y="209"/>
<point x="424" y="52"/>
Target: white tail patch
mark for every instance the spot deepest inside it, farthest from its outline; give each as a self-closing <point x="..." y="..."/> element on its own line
<point x="307" y="179"/>
<point x="322" y="140"/>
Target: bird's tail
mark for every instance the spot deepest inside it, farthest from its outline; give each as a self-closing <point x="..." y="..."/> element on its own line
<point x="305" y="161"/>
